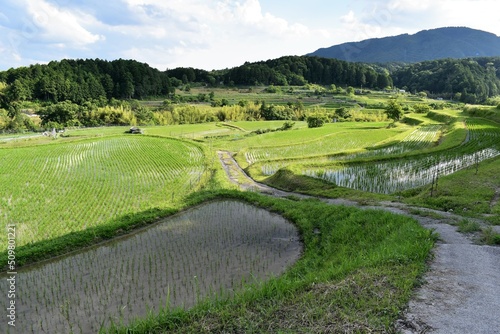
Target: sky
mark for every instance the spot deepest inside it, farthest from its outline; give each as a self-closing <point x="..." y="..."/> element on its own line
<point x="215" y="34"/>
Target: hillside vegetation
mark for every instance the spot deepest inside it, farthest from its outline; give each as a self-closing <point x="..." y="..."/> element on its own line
<point x="96" y="92"/>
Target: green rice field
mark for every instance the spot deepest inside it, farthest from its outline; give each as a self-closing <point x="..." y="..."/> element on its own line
<point x="52" y="190"/>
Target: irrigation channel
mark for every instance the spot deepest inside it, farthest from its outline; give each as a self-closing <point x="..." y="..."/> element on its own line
<point x="207" y="251"/>
<point x="460" y="293"/>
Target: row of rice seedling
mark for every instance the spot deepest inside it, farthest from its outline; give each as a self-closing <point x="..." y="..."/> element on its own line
<point x="393" y="176"/>
<point x="482" y="133"/>
<point x="297" y="136"/>
<point x="420" y="138"/>
<point x="269" y="169"/>
<point x="52" y="190"/>
<point x="207" y="251"/>
<point x="334" y="143"/>
<point x="423" y="137"/>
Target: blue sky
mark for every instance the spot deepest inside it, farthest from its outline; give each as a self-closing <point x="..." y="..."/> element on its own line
<point x="215" y="34"/>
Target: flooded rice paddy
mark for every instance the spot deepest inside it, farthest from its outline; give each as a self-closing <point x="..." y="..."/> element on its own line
<point x="394" y="176"/>
<point x="207" y="251"/>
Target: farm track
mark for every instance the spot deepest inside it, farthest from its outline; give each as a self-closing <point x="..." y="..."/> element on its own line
<point x="460" y="292"/>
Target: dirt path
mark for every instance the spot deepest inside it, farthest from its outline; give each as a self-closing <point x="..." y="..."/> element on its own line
<point x="461" y="293"/>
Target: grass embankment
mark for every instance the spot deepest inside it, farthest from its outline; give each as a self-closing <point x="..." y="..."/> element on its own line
<point x="357" y="273"/>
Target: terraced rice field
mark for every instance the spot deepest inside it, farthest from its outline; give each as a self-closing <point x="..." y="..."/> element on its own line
<point x="417" y="139"/>
<point x="423" y="137"/>
<point x="483" y="142"/>
<point x="330" y="144"/>
<point x="52" y="190"/>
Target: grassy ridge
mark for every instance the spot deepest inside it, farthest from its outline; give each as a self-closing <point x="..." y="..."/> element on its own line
<point x="357" y="271"/>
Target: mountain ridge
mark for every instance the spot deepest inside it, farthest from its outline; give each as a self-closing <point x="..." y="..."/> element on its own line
<point x="432" y="44"/>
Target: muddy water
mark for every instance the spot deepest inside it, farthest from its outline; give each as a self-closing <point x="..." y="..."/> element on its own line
<point x="209" y="250"/>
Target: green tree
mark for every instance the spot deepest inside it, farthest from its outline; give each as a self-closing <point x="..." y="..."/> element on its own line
<point x="421" y="108"/>
<point x="4" y="101"/>
<point x="316" y="121"/>
<point x="394" y="110"/>
<point x="19" y="91"/>
<point x="63" y="113"/>
<point x="342" y="112"/>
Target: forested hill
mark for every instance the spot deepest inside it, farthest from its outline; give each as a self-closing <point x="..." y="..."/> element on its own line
<point x="468" y="80"/>
<point x="293" y="70"/>
<point x="83" y="80"/>
<point x="451" y="42"/>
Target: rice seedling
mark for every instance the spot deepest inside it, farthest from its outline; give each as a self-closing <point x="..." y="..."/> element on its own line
<point x="394" y="176"/>
<point x="329" y="144"/>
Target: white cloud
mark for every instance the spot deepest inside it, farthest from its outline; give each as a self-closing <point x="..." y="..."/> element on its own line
<point x="411" y="5"/>
<point x="249" y="12"/>
<point x="211" y="34"/>
<point x="369" y="24"/>
<point x="59" y="26"/>
<point x="349" y="18"/>
<point x="250" y="15"/>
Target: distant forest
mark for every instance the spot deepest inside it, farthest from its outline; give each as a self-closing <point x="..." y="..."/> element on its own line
<point x="76" y="89"/>
<point x="291" y="70"/>
<point x="80" y="80"/>
<point x="467" y="80"/>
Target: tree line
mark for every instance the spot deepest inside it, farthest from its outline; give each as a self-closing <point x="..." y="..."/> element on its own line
<point x="291" y="70"/>
<point x="81" y="80"/>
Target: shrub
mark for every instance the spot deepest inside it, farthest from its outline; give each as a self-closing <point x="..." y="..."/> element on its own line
<point x="286" y="126"/>
<point x="342" y="112"/>
<point x="316" y="121"/>
<point x="421" y="108"/>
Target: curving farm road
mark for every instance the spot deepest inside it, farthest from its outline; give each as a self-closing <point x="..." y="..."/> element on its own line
<point x="461" y="290"/>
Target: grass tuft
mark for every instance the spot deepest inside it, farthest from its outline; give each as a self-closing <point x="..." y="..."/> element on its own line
<point x="490" y="237"/>
<point x="467" y="226"/>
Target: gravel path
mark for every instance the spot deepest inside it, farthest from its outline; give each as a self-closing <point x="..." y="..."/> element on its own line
<point x="461" y="290"/>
